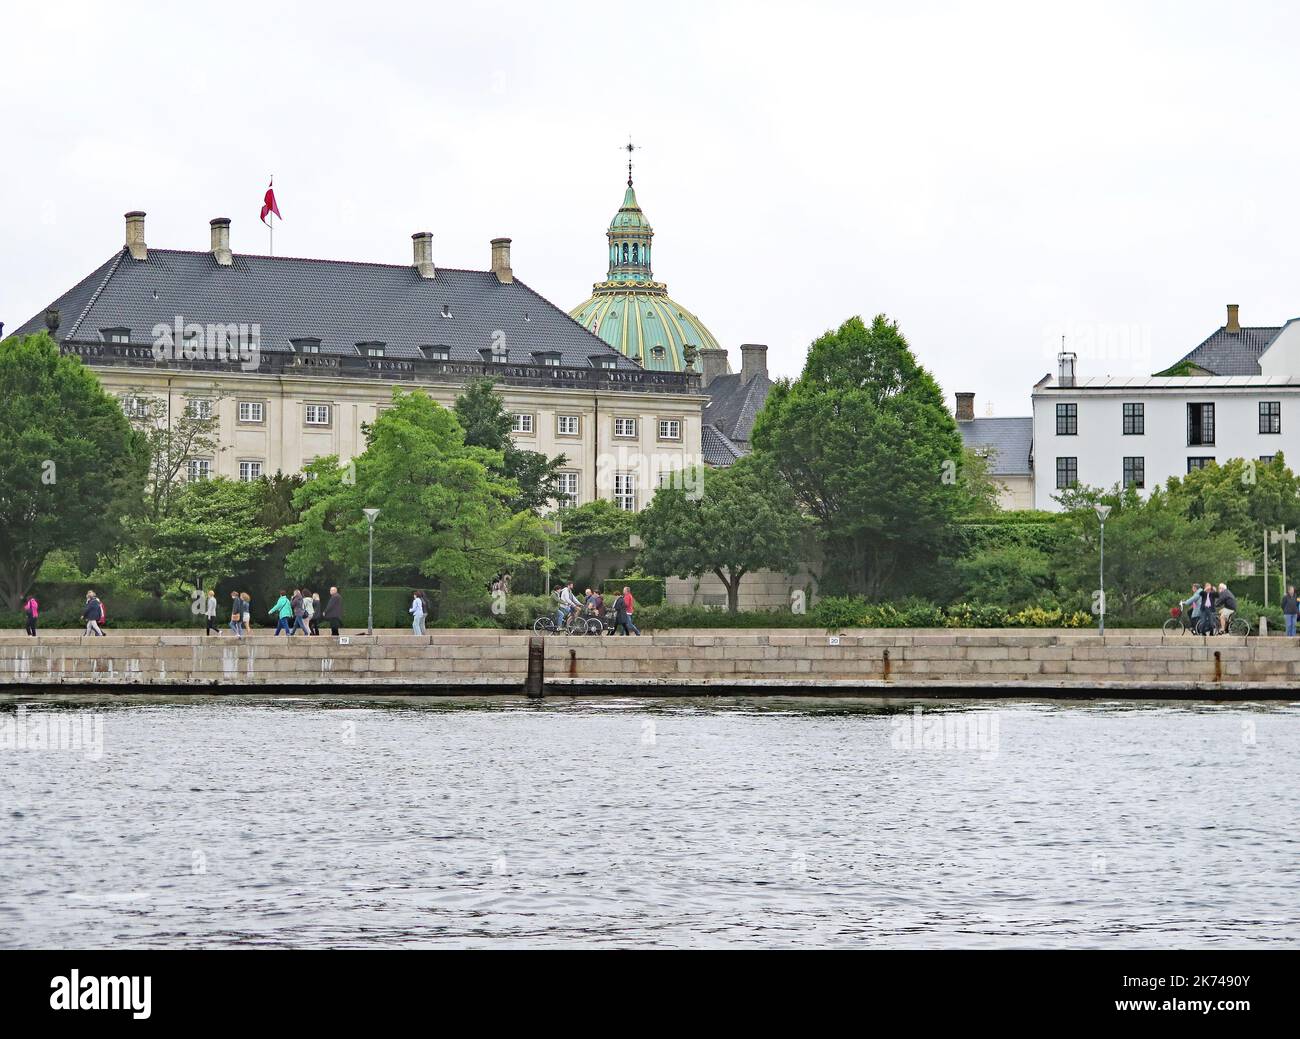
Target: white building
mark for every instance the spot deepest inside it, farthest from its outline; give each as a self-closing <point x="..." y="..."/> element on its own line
<point x="1237" y="395"/>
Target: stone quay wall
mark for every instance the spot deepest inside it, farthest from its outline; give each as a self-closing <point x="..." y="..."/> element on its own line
<point x="915" y="662"/>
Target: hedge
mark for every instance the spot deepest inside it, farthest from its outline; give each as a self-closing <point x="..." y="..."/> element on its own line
<point x="646" y="591"/>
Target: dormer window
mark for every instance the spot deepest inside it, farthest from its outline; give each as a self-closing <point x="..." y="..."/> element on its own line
<point x="657" y="352"/>
<point x="493" y="357"/>
<point x="550" y="358"/>
<point x="446" y="310"/>
<point x="115" y="335"/>
<point x="309" y="345"/>
<point x="436" y="353"/>
<point x="370" y="349"/>
<point x="603" y="361"/>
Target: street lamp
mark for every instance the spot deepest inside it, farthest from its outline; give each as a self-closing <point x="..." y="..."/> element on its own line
<point x="371" y="515"/>
<point x="1102" y="512"/>
<point x="1283" y="537"/>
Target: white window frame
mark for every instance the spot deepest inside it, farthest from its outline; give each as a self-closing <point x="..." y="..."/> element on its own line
<point x="135" y="407"/>
<point x="625" y="491"/>
<point x="562" y="420"/>
<point x="569" y="496"/>
<point x="627" y="424"/>
<point x="522" y="423"/>
<point x="250" y="405"/>
<point x="307" y="415"/>
<point x="198" y="408"/>
<point x="670" y="423"/>
<point x="246" y="473"/>
<point x="199" y="469"/>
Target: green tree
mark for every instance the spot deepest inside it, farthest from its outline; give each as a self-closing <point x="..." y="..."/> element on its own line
<point x="443" y="507"/>
<point x="1151" y="547"/>
<point x="71" y="467"/>
<point x="1004" y="575"/>
<point x="745" y="518"/>
<point x="1241" y="497"/>
<point x="487" y="424"/>
<point x="864" y="439"/>
<point x="590" y="531"/>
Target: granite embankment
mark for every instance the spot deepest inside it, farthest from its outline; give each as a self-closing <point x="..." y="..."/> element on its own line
<point x="940" y="663"/>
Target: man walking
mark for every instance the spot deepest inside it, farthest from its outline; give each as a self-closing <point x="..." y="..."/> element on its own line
<point x="92" y="613"/>
<point x="631" y="608"/>
<point x="416" y="610"/>
<point x="333" y="611"/>
<point x="1290" y="607"/>
<point x="237" y="615"/>
<point x="211" y="611"/>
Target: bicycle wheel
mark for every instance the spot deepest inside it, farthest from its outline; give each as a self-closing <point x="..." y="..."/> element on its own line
<point x="1238" y="626"/>
<point x="1173" y="626"/>
<point x="544" y="626"/>
<point x="595" y="626"/>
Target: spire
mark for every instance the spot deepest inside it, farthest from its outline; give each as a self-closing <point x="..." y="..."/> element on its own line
<point x="630" y="149"/>
<point x="629" y="237"/>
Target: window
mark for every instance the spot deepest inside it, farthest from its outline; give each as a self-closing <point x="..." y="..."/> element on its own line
<point x="1267" y="459"/>
<point x="115" y="335"/>
<point x="548" y="358"/>
<point x="521" y="423"/>
<point x="371" y="349"/>
<point x="251" y="411"/>
<point x="437" y="353"/>
<point x="607" y="362"/>
<point x="1198" y="463"/>
<point x="1135" y="422"/>
<point x="318" y="414"/>
<point x="1270" y="416"/>
<point x="200" y="468"/>
<point x="1067" y="472"/>
<point x="1135" y="472"/>
<point x="306" y="346"/>
<point x="625" y="491"/>
<point x="1200" y="425"/>
<point x="198" y="408"/>
<point x="249" y="471"/>
<point x="1067" y="420"/>
<point x="567" y="486"/>
<point x="670" y="429"/>
<point x="136" y="407"/>
<point x="566" y="425"/>
<point x="625" y="427"/>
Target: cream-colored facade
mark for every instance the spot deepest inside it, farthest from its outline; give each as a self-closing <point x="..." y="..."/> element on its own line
<point x="281" y="423"/>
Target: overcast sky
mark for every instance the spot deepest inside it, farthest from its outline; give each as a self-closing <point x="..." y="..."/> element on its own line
<point x="991" y="175"/>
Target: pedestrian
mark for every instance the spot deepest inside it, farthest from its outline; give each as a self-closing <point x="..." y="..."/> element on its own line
<point x="416" y="610"/>
<point x="31" y="610"/>
<point x="246" y="601"/>
<point x="334" y="610"/>
<point x="283" y="610"/>
<point x="211" y="611"/>
<point x="1290" y="607"/>
<point x="299" y="613"/>
<point x="314" y="606"/>
<point x="92" y="613"/>
<point x="620" y="615"/>
<point x="631" y="609"/>
<point x="236" y="615"/>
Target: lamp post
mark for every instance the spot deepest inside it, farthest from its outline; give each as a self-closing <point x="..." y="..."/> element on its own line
<point x="1102" y="512"/>
<point x="371" y="515"/>
<point x="1282" y="537"/>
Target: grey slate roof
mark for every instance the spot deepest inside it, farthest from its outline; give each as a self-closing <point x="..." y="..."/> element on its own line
<point x="718" y="449"/>
<point x="339" y="302"/>
<point x="1233" y="353"/>
<point x="1011" y="441"/>
<point x="734" y="405"/>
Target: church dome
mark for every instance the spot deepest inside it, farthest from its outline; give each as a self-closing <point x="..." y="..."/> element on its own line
<point x="629" y="309"/>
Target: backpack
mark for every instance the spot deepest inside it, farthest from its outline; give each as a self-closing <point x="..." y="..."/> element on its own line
<point x="31" y="607"/>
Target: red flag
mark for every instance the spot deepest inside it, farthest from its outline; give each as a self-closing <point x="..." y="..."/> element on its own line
<point x="268" y="203"/>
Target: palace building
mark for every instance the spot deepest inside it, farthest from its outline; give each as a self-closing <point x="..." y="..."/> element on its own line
<point x="294" y="356"/>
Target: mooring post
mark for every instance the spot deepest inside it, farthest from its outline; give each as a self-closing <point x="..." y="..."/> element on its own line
<point x="885" y="666"/>
<point x="536" y="667"/>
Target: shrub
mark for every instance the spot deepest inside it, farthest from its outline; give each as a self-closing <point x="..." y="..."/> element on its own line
<point x="647" y="591"/>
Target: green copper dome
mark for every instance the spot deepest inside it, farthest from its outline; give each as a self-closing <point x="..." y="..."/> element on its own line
<point x="629" y="309"/>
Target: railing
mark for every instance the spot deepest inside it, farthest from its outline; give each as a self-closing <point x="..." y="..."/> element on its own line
<point x="135" y="355"/>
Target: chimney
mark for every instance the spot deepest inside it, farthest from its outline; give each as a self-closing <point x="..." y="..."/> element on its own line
<point x="753" y="361"/>
<point x="135" y="235"/>
<point x="1234" y="325"/>
<point x="1066" y="362"/>
<point x="501" y="260"/>
<point x="965" y="407"/>
<point x="713" y="362"/>
<point x="221" y="241"/>
<point x="422" y="244"/>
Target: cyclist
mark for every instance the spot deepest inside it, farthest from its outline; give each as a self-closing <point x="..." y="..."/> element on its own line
<point x="1227" y="606"/>
<point x="1193" y="604"/>
<point x="567" y="603"/>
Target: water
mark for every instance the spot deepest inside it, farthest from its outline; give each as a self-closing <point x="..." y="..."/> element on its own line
<point x="243" y="821"/>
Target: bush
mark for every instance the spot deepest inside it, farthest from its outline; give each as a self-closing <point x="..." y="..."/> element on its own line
<point x="647" y="591"/>
<point x="659" y="618"/>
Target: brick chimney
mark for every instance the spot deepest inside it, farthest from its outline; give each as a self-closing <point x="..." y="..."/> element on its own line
<point x="501" y="260"/>
<point x="713" y="362"/>
<point x="753" y="360"/>
<point x="422" y="245"/>
<point x="1234" y="324"/>
<point x="135" y="235"/>
<point x="965" y="407"/>
<point x="221" y="241"/>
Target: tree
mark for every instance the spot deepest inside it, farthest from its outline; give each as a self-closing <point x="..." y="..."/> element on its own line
<point x="1241" y="497"/>
<point x="487" y="424"/>
<point x="442" y="506"/>
<point x="1005" y="575"/>
<point x="174" y="435"/>
<point x="71" y="467"/>
<point x="864" y="439"/>
<point x="1151" y="547"/>
<point x="745" y="519"/>
<point x="210" y="532"/>
<point x="589" y="531"/>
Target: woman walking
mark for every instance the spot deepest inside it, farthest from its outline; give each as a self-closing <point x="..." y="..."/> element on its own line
<point x="416" y="610"/>
<point x="211" y="612"/>
<point x="92" y="613"/>
<point x="236" y="615"/>
<point x="313" y="612"/>
<point x="31" y="610"/>
<point x="247" y="602"/>
<point x="299" y="613"/>
<point x="283" y="611"/>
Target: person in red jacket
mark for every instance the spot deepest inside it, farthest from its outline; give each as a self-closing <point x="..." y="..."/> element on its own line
<point x="31" y="610"/>
<point x="630" y="605"/>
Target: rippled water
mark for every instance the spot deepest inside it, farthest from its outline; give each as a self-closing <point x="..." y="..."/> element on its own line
<point x="406" y="822"/>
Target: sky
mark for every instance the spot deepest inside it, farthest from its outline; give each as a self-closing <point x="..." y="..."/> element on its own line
<point x="992" y="176"/>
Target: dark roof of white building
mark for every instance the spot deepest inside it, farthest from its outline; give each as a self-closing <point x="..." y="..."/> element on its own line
<point x="1232" y="353"/>
<point x="1009" y="442"/>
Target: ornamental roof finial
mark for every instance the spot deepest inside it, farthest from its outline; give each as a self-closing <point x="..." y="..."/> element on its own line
<point x="630" y="149"/>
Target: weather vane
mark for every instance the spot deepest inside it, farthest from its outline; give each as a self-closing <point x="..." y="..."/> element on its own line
<point x="630" y="149"/>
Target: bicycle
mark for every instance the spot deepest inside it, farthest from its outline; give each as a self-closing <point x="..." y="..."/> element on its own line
<point x="575" y="624"/>
<point x="1180" y="623"/>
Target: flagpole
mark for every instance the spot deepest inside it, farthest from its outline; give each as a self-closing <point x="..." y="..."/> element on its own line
<point x="270" y="218"/>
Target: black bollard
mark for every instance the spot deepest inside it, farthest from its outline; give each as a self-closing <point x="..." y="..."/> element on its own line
<point x="536" y="667"/>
